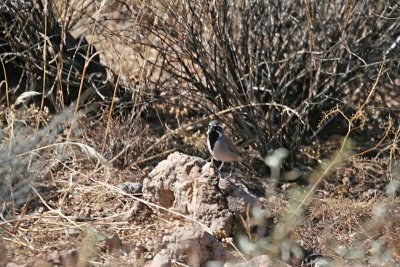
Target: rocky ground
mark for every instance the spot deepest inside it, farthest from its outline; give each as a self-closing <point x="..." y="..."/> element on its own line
<point x="183" y="213"/>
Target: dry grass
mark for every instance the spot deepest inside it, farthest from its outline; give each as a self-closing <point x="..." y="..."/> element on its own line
<point x="316" y="78"/>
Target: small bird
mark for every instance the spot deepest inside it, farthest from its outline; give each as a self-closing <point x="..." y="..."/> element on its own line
<point x="220" y="146"/>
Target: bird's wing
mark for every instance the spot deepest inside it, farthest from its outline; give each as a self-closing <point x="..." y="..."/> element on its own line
<point x="231" y="146"/>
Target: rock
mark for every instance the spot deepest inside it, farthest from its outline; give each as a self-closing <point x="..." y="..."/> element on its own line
<point x="160" y="260"/>
<point x="189" y="185"/>
<point x="198" y="246"/>
<point x="262" y="260"/>
<point x="130" y="187"/>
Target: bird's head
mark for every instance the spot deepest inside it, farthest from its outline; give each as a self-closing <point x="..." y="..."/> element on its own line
<point x="215" y="125"/>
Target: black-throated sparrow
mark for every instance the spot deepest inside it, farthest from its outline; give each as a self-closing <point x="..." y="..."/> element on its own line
<point x="219" y="145"/>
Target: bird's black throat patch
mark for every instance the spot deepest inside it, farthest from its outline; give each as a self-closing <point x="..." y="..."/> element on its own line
<point x="213" y="136"/>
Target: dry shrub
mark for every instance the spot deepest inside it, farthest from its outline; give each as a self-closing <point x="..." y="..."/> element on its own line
<point x="276" y="66"/>
<point x="22" y="163"/>
<point x="40" y="55"/>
